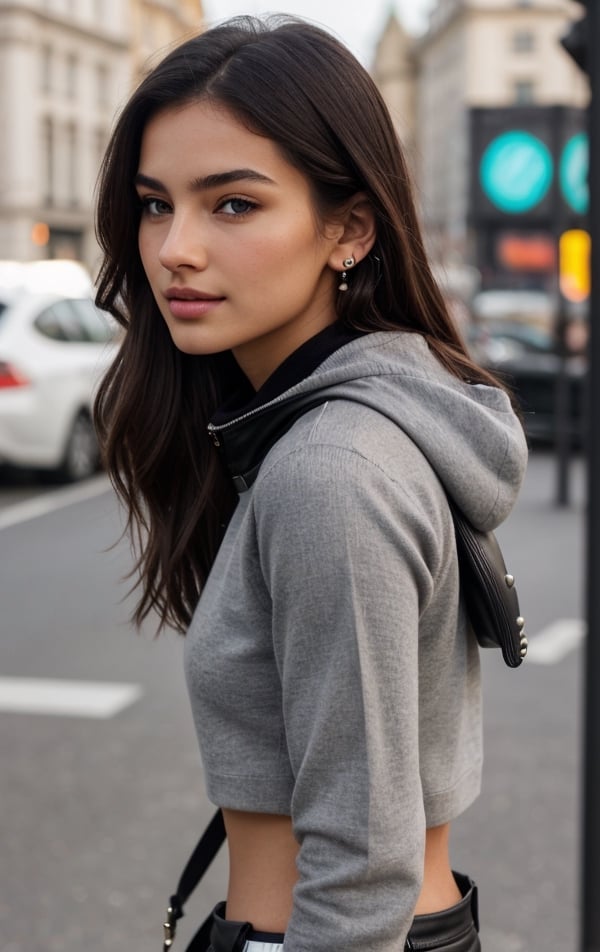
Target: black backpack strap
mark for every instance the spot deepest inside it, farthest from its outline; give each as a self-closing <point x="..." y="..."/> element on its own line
<point x="207" y="848"/>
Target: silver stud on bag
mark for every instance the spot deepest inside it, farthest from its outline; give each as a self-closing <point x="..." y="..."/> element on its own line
<point x="510" y="580"/>
<point x="170" y="927"/>
<point x="523" y="644"/>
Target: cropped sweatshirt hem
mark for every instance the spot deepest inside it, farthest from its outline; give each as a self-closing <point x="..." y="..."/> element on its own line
<point x="265" y="795"/>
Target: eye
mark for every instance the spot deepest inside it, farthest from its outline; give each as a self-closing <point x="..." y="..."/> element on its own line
<point x="236" y="207"/>
<point x="154" y="207"/>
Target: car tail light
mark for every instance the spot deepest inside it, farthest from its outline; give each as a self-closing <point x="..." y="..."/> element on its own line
<point x="11" y="377"/>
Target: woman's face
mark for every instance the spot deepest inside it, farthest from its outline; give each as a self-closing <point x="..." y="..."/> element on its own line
<point x="230" y="241"/>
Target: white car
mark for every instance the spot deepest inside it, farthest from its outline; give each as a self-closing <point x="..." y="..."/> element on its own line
<point x="54" y="348"/>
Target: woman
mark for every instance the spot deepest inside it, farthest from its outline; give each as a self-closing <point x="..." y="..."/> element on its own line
<point x="288" y="415"/>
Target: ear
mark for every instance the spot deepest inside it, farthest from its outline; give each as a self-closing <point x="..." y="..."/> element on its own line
<point x="357" y="232"/>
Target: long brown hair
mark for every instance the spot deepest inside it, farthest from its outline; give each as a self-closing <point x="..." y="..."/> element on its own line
<point x="300" y="87"/>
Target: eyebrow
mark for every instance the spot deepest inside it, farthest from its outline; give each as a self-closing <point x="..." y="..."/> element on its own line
<point x="216" y="180"/>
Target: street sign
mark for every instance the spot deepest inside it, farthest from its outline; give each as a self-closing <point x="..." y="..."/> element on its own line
<point x="574" y="247"/>
<point x="573" y="173"/>
<point x="529" y="165"/>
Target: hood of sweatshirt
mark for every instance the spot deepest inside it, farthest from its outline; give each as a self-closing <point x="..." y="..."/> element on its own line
<point x="469" y="433"/>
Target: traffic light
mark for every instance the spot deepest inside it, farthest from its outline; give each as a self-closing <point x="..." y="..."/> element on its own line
<point x="576" y="42"/>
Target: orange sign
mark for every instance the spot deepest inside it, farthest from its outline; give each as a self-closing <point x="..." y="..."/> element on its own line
<point x="527" y="252"/>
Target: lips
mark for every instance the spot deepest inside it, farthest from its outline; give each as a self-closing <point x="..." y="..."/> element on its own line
<point x="190" y="294"/>
<point x="187" y="303"/>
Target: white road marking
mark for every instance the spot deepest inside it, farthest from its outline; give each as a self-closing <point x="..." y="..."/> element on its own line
<point x="50" y="502"/>
<point x="66" y="698"/>
<point x="556" y="641"/>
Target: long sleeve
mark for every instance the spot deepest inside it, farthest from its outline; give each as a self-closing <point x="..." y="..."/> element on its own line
<point x="349" y="557"/>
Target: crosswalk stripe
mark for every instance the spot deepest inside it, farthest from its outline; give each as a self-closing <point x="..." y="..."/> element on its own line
<point x="51" y="501"/>
<point x="63" y="698"/>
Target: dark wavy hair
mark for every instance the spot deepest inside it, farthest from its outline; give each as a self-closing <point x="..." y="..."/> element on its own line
<point x="296" y="84"/>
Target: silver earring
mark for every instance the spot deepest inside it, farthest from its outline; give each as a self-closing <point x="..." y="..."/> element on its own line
<point x="348" y="263"/>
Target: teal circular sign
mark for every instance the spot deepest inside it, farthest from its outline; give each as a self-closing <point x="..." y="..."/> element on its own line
<point x="573" y="173"/>
<point x="516" y="171"/>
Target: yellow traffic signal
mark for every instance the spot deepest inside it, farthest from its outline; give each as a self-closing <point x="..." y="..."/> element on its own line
<point x="574" y="264"/>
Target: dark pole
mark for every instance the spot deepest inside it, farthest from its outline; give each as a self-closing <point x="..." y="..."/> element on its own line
<point x="590" y="932"/>
<point x="562" y="408"/>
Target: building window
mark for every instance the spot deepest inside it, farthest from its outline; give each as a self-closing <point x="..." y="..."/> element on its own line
<point x="46" y="69"/>
<point x="72" y="164"/>
<point x="71" y="76"/>
<point x="101" y="84"/>
<point x="47" y="156"/>
<point x="524" y="92"/>
<point x="523" y="41"/>
<point x="101" y="139"/>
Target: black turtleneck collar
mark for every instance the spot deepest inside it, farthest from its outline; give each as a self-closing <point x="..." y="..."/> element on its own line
<point x="299" y="365"/>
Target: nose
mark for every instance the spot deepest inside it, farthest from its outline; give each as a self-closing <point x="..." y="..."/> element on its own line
<point x="183" y="246"/>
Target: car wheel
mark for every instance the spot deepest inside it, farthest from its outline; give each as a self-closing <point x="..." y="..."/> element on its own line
<point x="82" y="455"/>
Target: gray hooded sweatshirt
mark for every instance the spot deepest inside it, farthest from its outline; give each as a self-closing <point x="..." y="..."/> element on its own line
<point x="332" y="672"/>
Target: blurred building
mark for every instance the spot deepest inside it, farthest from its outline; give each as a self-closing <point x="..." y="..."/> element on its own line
<point x="395" y="72"/>
<point x="478" y="57"/>
<point x="156" y="25"/>
<point x="66" y="66"/>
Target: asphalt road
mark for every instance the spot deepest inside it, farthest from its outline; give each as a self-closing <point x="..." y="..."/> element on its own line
<point x="98" y="814"/>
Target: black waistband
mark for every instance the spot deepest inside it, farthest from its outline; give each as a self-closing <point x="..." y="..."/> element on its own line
<point x="440" y="929"/>
<point x="436" y="930"/>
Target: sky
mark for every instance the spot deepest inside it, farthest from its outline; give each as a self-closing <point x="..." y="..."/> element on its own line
<point x="358" y="23"/>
